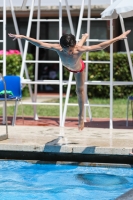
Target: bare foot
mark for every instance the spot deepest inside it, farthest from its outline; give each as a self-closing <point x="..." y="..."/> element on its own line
<point x="81" y="124"/>
<point x="124" y="35"/>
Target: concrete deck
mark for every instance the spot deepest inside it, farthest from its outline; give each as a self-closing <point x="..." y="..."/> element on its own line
<point x="45" y="136"/>
<point x="46" y="139"/>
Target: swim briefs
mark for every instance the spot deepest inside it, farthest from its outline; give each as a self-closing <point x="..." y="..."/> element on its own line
<point x="82" y="68"/>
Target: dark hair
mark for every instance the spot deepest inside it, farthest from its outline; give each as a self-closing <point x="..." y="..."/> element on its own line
<point x="67" y="40"/>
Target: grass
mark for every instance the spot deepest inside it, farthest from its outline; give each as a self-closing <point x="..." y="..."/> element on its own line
<point x="119" y="109"/>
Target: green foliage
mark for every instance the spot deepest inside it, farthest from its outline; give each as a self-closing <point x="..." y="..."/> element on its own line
<point x="101" y="72"/>
<point x="13" y="67"/>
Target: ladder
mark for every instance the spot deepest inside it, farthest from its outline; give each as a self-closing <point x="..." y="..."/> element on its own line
<point x="87" y="82"/>
<point x="3" y="21"/>
<point x="36" y="61"/>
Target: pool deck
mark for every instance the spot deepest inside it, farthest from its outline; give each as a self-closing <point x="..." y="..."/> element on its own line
<point x="47" y="141"/>
<point x="90" y="142"/>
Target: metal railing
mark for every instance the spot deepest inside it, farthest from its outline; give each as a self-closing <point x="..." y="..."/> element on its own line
<point x="5" y="107"/>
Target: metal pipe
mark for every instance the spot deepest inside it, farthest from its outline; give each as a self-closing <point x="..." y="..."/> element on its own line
<point x="71" y="74"/>
<point x="60" y="63"/>
<point x="26" y="42"/>
<point x="87" y="64"/>
<point x="4" y="48"/>
<point x="4" y="38"/>
<point x="4" y="83"/>
<point x="36" y="58"/>
<point x="111" y="74"/>
<point x="126" y="46"/>
<point x="69" y="18"/>
<point x="20" y="44"/>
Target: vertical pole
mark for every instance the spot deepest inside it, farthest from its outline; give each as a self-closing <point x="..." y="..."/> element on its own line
<point x="60" y="64"/>
<point x="5" y="103"/>
<point x="4" y="51"/>
<point x="37" y="58"/>
<point x="4" y="38"/>
<point x="111" y="74"/>
<point x="71" y="73"/>
<point x="87" y="64"/>
<point x="126" y="45"/>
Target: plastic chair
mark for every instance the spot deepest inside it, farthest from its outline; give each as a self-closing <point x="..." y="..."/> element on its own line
<point x="130" y="98"/>
<point x="13" y="83"/>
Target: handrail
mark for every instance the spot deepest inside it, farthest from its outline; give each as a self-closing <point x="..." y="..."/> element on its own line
<point x="2" y="79"/>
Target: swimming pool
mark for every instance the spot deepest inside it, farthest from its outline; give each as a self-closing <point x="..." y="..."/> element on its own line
<point x="25" y="181"/>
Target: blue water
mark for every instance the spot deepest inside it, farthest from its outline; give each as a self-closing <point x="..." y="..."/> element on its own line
<point x="26" y="181"/>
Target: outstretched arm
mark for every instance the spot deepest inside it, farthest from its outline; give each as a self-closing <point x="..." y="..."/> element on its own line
<point x="104" y="45"/>
<point x="35" y="42"/>
<point x="83" y="39"/>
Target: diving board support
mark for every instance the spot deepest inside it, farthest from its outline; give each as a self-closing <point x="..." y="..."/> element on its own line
<point x="88" y="19"/>
<point x="36" y="61"/>
<point x="126" y="46"/>
<point x="20" y="43"/>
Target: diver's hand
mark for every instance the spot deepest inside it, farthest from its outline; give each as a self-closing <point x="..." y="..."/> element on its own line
<point x="15" y="36"/>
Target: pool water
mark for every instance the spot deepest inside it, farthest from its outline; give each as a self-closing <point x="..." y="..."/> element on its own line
<point x="26" y="181"/>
